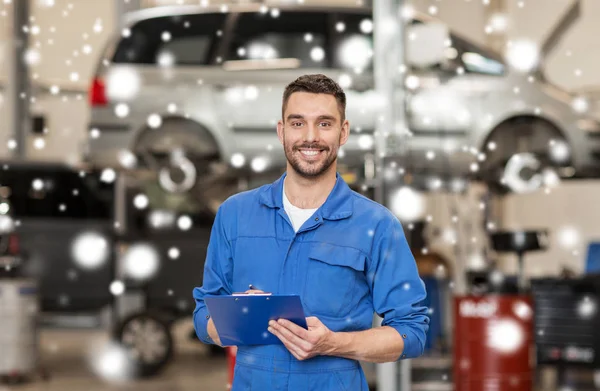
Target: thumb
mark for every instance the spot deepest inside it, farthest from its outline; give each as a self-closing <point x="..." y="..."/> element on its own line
<point x="313" y="321"/>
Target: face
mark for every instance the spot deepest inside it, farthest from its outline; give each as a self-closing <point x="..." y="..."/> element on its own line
<point x="311" y="133"/>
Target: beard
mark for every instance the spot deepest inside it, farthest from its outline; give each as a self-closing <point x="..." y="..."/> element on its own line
<point x="310" y="169"/>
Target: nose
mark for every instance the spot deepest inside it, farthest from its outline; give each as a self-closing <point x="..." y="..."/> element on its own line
<point x="312" y="133"/>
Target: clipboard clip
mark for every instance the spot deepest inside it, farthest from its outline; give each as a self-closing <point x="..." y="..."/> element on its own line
<point x="248" y="293"/>
<point x="251" y="294"/>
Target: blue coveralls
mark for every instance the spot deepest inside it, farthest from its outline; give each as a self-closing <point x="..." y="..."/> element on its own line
<point x="349" y="260"/>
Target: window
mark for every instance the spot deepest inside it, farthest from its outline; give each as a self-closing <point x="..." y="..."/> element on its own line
<point x="179" y="40"/>
<point x="299" y="36"/>
<point x="477" y="60"/>
<point x="476" y="63"/>
<point x="40" y="192"/>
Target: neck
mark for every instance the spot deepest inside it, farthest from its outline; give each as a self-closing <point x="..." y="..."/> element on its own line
<point x="308" y="193"/>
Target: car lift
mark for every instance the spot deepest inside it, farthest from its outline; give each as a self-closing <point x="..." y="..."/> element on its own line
<point x="388" y="37"/>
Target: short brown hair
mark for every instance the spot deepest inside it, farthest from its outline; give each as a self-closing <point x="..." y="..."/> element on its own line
<point x="316" y="84"/>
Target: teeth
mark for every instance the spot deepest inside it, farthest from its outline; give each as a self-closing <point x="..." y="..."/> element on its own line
<point x="310" y="153"/>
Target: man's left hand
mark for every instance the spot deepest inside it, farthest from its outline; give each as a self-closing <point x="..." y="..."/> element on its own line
<point x="302" y="343"/>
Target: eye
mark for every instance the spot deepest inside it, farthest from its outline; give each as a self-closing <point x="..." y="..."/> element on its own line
<point x="296" y="124"/>
<point x="325" y="124"/>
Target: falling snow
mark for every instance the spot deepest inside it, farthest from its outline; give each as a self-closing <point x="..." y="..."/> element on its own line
<point x="174" y="253"/>
<point x="90" y="250"/>
<point x="140" y="201"/>
<point x="184" y="223"/>
<point x="141" y="261"/>
<point x="505" y="336"/>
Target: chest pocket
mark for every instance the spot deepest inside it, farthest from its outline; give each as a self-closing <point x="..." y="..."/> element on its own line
<point x="331" y="280"/>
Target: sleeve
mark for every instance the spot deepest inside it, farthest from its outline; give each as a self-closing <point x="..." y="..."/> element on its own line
<point x="218" y="271"/>
<point x="398" y="291"/>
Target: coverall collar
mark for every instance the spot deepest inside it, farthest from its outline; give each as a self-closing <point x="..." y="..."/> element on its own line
<point x="337" y="206"/>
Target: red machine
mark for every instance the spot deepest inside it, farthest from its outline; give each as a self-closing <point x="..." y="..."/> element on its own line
<point x="231" y="352"/>
<point x="493" y="348"/>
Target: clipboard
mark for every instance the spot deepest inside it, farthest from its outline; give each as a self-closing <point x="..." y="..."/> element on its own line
<point x="244" y="319"/>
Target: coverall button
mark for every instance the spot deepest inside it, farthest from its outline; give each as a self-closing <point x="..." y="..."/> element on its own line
<point x="316" y="219"/>
<point x="207" y="316"/>
<point x="404" y="336"/>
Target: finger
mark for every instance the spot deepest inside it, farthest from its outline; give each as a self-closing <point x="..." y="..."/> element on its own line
<point x="294" y="328"/>
<point x="313" y="321"/>
<point x="290" y="336"/>
<point x="293" y="349"/>
<point x="254" y="291"/>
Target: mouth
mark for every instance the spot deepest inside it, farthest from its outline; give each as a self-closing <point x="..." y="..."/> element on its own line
<point x="311" y="153"/>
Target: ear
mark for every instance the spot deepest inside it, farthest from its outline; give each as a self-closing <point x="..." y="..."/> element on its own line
<point x="280" y="131"/>
<point x="345" y="132"/>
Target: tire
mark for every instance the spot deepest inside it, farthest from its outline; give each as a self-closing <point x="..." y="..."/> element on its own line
<point x="528" y="137"/>
<point x="147" y="338"/>
<point x="185" y="158"/>
<point x="179" y="152"/>
<point x="177" y="133"/>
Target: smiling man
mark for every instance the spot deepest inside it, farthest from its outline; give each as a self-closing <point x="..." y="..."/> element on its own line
<point x="309" y="234"/>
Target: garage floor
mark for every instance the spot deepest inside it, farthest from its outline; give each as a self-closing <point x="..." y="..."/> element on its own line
<point x="65" y="352"/>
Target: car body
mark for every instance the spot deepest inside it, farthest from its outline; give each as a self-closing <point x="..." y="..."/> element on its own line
<point x="211" y="82"/>
<point x="52" y="205"/>
<point x="57" y="228"/>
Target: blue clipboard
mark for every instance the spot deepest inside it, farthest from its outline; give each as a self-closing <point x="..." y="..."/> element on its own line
<point x="244" y="319"/>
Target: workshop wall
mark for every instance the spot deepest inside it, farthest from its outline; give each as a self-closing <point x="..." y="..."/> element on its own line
<point x="468" y="18"/>
<point x="571" y="215"/>
<point x="64" y="31"/>
<point x="71" y="36"/>
<point x="578" y="49"/>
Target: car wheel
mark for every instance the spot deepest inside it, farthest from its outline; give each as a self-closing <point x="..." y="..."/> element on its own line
<point x="203" y="182"/>
<point x="147" y="339"/>
<point x="180" y="173"/>
<point x="520" y="156"/>
<point x="185" y="159"/>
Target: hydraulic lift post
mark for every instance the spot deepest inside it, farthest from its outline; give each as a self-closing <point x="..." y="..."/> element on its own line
<point x="18" y="84"/>
<point x="389" y="84"/>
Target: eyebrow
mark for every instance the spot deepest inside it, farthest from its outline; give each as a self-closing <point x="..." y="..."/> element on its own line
<point x="320" y="118"/>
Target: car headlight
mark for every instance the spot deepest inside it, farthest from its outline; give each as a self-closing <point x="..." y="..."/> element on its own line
<point x="589" y="125"/>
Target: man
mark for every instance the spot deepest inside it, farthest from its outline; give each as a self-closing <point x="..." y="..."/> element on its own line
<point x="309" y="234"/>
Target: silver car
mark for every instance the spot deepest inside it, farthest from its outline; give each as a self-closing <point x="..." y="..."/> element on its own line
<point x="191" y="86"/>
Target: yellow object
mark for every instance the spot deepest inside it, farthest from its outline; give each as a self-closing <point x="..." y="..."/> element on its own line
<point x="349" y="178"/>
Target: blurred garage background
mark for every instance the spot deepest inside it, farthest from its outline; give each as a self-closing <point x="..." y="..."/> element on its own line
<point x="125" y="123"/>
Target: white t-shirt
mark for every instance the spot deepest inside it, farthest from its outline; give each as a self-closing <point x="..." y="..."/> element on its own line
<point x="297" y="215"/>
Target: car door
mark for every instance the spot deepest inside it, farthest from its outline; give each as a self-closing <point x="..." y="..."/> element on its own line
<point x="53" y="207"/>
